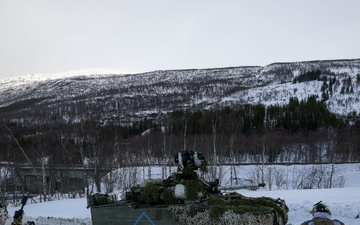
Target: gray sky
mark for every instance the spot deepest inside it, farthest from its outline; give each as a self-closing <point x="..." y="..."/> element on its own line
<point x="48" y="36"/>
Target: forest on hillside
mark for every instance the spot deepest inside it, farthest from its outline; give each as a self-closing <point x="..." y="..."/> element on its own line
<point x="300" y="132"/>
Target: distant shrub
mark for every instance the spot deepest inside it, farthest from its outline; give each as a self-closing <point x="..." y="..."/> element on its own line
<point x="309" y="76"/>
<point x="20" y="104"/>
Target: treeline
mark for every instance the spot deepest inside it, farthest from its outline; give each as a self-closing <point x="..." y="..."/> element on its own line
<point x="300" y="132"/>
<point x="297" y="119"/>
<point x="309" y="76"/>
<point x="298" y="116"/>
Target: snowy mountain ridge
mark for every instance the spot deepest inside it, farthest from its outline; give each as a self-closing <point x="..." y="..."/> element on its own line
<point x="121" y="98"/>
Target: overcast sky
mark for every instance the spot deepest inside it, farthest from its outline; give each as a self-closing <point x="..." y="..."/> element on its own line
<point x="48" y="36"/>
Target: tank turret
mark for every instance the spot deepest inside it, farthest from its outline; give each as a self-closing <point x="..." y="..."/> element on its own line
<point x="181" y="186"/>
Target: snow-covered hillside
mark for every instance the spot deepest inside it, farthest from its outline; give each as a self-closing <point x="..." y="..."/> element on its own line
<point x="125" y="97"/>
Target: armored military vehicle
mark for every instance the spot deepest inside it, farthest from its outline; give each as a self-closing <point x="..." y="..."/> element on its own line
<point x="185" y="199"/>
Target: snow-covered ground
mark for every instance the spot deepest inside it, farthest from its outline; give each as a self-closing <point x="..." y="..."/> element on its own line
<point x="343" y="202"/>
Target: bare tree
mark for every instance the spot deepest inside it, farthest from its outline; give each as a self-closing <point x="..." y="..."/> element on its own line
<point x="280" y="181"/>
<point x="233" y="173"/>
<point x="79" y="144"/>
<point x="215" y="159"/>
<point x="27" y="159"/>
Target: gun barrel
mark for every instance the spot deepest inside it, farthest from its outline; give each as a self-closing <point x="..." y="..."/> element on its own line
<point x="244" y="186"/>
<point x="23" y="201"/>
<point x="19" y="212"/>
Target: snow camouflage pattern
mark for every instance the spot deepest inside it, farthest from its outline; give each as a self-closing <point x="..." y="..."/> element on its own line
<point x="3" y="215"/>
<point x="322" y="218"/>
<point x="323" y="222"/>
